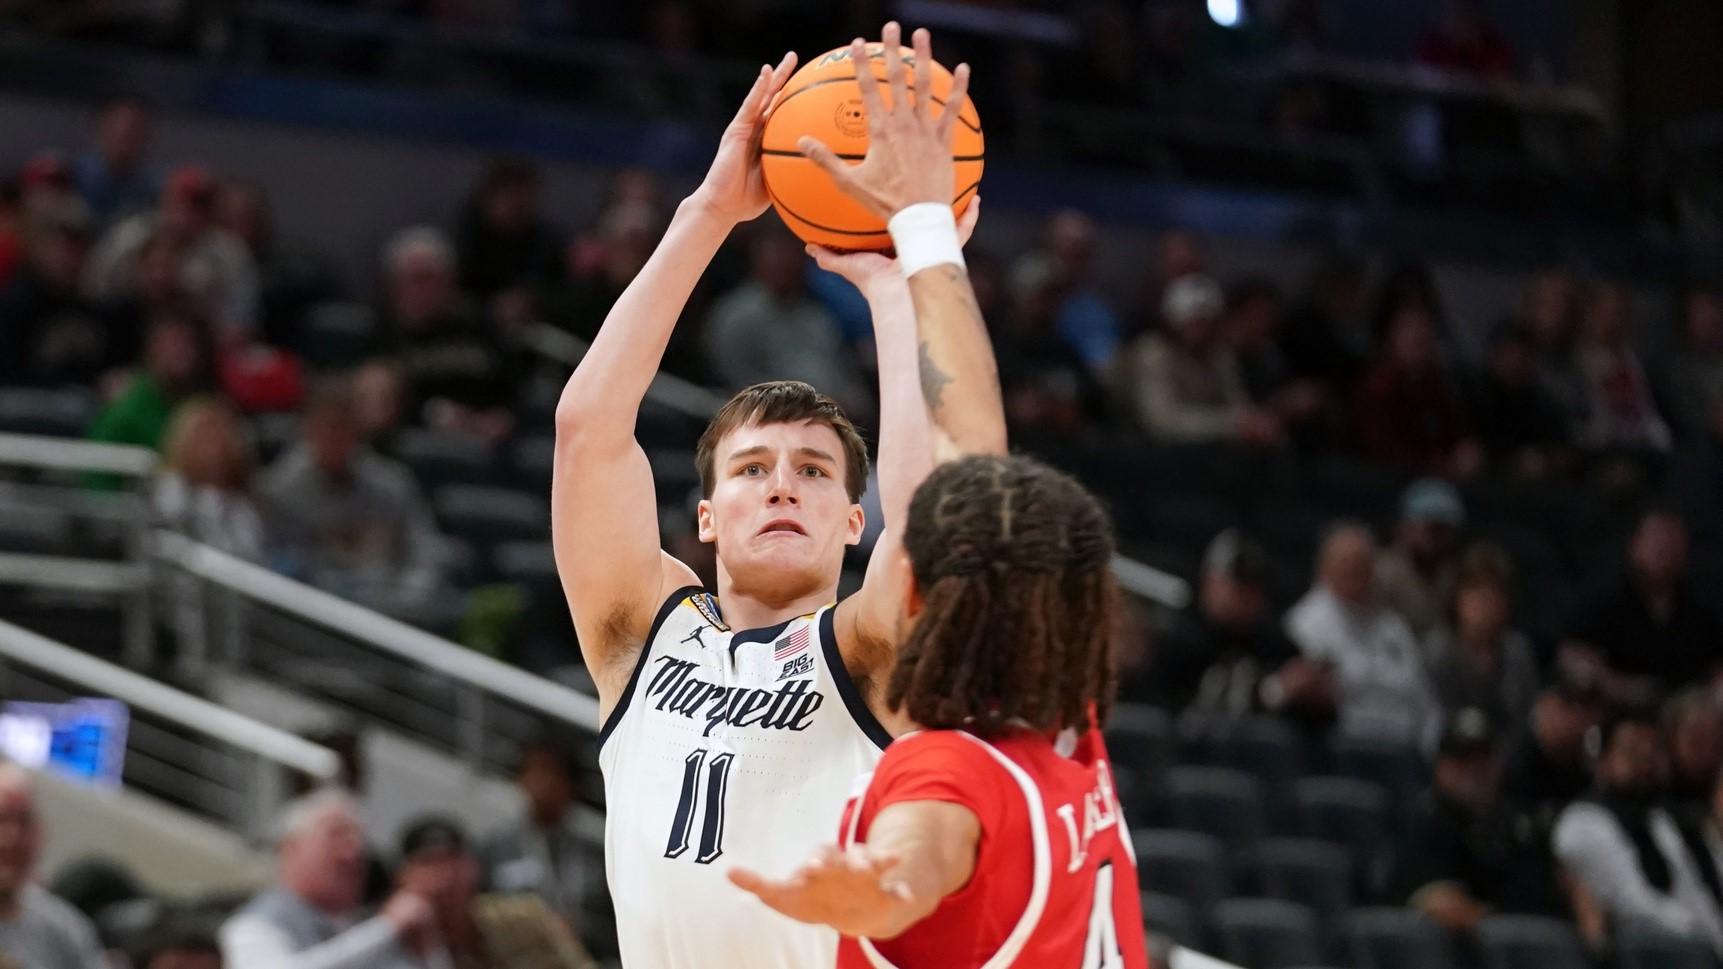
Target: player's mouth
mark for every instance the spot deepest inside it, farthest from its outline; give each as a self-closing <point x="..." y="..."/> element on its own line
<point x="783" y="525"/>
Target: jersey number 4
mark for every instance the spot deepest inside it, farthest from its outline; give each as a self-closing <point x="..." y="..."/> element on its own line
<point x="1101" y="951"/>
<point x="712" y="829"/>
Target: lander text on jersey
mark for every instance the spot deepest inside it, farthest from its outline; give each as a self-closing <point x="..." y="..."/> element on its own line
<point x="675" y="689"/>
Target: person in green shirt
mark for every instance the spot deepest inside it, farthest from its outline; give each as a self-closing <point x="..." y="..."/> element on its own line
<point x="176" y="364"/>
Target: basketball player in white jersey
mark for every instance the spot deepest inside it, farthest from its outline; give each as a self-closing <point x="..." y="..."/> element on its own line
<point x="734" y="722"/>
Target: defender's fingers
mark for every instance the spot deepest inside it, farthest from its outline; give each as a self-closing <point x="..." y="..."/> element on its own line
<point x="954" y="104"/>
<point x="872" y="102"/>
<point x="892" y="39"/>
<point x="922" y="42"/>
<point x="816" y="151"/>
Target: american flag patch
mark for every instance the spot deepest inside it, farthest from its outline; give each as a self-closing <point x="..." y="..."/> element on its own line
<point x="791" y="645"/>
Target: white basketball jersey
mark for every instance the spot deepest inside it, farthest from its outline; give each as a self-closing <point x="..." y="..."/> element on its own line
<point x="727" y="748"/>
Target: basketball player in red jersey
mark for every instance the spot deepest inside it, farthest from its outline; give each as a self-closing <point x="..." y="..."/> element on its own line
<point x="992" y="836"/>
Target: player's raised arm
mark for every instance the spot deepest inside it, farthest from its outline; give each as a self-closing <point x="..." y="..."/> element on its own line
<point x="907" y="177"/>
<point x="604" y="515"/>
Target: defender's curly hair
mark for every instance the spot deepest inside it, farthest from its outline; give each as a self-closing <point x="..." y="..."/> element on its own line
<point x="1013" y="561"/>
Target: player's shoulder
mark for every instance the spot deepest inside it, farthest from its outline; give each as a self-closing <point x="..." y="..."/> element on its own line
<point x="940" y="752"/>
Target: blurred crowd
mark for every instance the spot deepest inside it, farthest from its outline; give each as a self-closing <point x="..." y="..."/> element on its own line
<point x="167" y="294"/>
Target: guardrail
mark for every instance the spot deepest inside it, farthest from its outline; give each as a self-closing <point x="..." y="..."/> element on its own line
<point x="180" y="748"/>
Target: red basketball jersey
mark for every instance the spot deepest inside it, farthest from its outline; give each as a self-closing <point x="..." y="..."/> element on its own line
<point x="1055" y="882"/>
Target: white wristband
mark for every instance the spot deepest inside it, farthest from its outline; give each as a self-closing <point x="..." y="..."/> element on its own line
<point x="925" y="235"/>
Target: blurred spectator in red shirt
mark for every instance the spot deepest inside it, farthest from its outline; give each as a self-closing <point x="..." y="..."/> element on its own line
<point x="1406" y="413"/>
<point x="115" y="176"/>
<point x="1467" y="41"/>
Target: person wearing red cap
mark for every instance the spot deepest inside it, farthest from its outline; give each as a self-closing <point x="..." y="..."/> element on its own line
<point x="216" y="270"/>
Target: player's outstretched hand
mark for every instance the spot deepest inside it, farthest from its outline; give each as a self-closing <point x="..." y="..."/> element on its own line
<point x="909" y="145"/>
<point x="866" y="270"/>
<point x="849" y="889"/>
<point x="734" y="190"/>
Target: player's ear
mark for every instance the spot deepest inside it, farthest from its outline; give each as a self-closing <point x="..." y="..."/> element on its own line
<point x="708" y="524"/>
<point x="855" y="526"/>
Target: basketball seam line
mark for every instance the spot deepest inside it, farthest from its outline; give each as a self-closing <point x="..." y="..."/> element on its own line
<point x="834" y="80"/>
<point x="851" y="156"/>
<point x="785" y="209"/>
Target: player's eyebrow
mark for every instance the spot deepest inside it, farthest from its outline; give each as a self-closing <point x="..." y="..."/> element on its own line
<point x="816" y="454"/>
<point x="751" y="452"/>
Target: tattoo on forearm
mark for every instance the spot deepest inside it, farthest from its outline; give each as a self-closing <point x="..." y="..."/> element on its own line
<point x="933" y="379"/>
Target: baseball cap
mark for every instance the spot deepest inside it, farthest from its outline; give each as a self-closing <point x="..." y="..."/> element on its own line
<point x="46" y="169"/>
<point x="1191" y="297"/>
<point x="433" y="831"/>
<point x="192" y="183"/>
<point x="1468" y="732"/>
<point x="1433" y="500"/>
<point x="1237" y="556"/>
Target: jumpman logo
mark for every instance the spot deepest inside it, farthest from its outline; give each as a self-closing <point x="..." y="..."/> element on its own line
<point x="694" y="636"/>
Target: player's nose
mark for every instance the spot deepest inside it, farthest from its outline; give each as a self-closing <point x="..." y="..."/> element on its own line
<point x="783" y="488"/>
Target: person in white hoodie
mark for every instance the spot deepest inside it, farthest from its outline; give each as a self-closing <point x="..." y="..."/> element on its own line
<point x="1384" y="691"/>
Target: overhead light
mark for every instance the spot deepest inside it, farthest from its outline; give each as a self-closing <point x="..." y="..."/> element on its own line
<point x="1226" y="13"/>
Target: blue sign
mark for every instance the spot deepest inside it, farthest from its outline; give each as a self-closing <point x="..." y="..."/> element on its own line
<point x="83" y="739"/>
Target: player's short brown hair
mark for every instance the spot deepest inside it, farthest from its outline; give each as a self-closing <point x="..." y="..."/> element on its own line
<point x="783" y="402"/>
<point x="1014" y="564"/>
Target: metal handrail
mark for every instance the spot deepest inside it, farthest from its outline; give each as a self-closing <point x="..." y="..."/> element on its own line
<point x="63" y="454"/>
<point x="20" y="645"/>
<point x="390" y="635"/>
<point x="692" y="400"/>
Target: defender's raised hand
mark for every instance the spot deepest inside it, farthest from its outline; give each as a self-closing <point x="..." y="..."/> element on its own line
<point x="867" y="270"/>
<point x="734" y="189"/>
<point x="908" y="158"/>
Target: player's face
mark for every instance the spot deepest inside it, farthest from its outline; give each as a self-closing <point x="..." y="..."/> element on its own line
<point x="779" y="513"/>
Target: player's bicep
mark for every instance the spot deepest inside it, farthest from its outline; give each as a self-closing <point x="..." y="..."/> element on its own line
<point x="604" y="526"/>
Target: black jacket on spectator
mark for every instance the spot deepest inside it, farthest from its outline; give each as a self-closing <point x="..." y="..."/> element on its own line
<point x="1539" y="787"/>
<point x="1201" y="665"/>
<point x="1510" y="419"/>
<point x="1500" y="858"/>
<point x="456" y="359"/>
<point x="1684" y="647"/>
<point x="491" y="261"/>
<point x="49" y="335"/>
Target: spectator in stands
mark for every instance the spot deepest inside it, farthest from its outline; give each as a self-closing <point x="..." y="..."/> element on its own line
<point x="1384" y="692"/>
<point x="769" y="328"/>
<point x="1406" y="413"/>
<point x="507" y="249"/>
<point x="204" y="489"/>
<point x="1225" y="654"/>
<point x="176" y="365"/>
<point x="1623" y="846"/>
<point x="1462" y="855"/>
<point x="543" y="853"/>
<point x="52" y="334"/>
<point x="1415" y="575"/>
<point x="1179" y="252"/>
<point x="1696" y="479"/>
<point x="606" y="263"/>
<point x="1466" y="41"/>
<point x="1047" y="386"/>
<point x="311" y="917"/>
<point x="216" y="270"/>
<point x="1696" y="372"/>
<point x="1326" y="338"/>
<point x="179" y="946"/>
<point x="1520" y="427"/>
<point x="379" y="403"/>
<point x="1693" y="728"/>
<point x="1252" y="332"/>
<point x="456" y="368"/>
<point x="37" y="928"/>
<point x="1476" y="659"/>
<point x="115" y="175"/>
<point x="291" y="278"/>
<point x="1623" y="414"/>
<point x="1066" y="260"/>
<point x="1649" y="627"/>
<point x="1551" y="313"/>
<point x="1548" y="767"/>
<point x="346" y="518"/>
<point x="474" y="931"/>
<point x="1185" y="381"/>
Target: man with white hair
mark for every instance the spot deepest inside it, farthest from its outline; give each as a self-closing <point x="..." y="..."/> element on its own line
<point x="311" y="918"/>
<point x="37" y="929"/>
<point x="1188" y="387"/>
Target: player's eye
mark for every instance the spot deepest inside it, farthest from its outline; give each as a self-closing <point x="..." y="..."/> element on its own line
<point x="814" y="472"/>
<point x="753" y="470"/>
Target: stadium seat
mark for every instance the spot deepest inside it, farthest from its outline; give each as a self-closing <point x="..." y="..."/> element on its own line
<point x="1139" y="740"/>
<point x="1183" y="864"/>
<point x="1399" y="769"/>
<point x="1529" y="942"/>
<point x="439" y="458"/>
<point x="1343" y="810"/>
<point x="1218" y="801"/>
<point x="57" y="413"/>
<point x="1265" y="747"/>
<point x="1646" y="949"/>
<point x="1266" y="933"/>
<point x="1394" y="938"/>
<point x="1170" y="916"/>
<point x="487" y="516"/>
<point x="1315" y="873"/>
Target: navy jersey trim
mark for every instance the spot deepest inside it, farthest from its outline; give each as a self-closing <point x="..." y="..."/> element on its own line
<point x="852" y="697"/>
<point x="762" y="634"/>
<point x="664" y="611"/>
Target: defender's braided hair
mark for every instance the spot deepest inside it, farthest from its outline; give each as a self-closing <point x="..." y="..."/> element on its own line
<point x="1013" y="561"/>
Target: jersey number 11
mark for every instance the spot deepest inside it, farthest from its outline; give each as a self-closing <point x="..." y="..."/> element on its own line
<point x="712" y="828"/>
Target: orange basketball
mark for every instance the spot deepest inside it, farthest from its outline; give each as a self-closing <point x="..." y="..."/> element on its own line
<point x="823" y="100"/>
